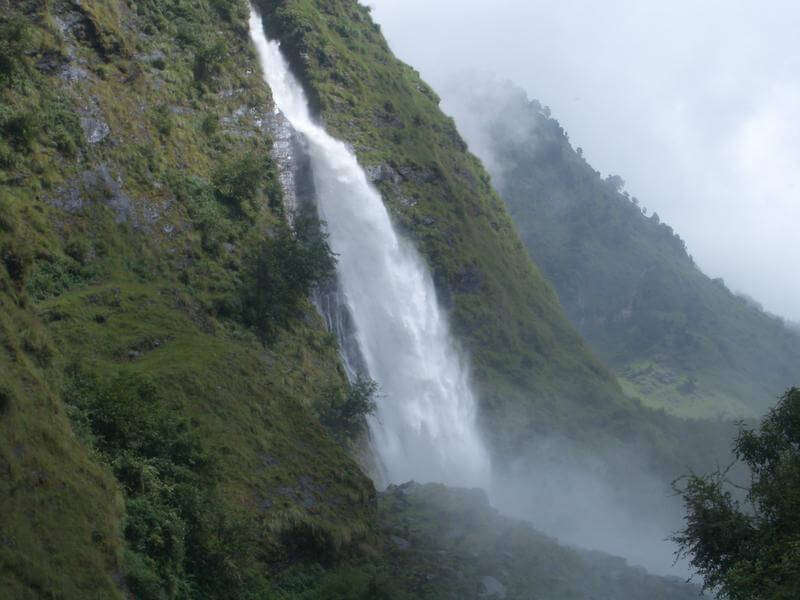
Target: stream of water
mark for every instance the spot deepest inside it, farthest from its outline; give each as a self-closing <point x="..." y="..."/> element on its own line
<point x="424" y="428"/>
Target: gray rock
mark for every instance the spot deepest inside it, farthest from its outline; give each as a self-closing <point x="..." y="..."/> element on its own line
<point x="418" y="175"/>
<point x="72" y="73"/>
<point x="491" y="588"/>
<point x="95" y="129"/>
<point x="383" y="173"/>
<point x="94" y="186"/>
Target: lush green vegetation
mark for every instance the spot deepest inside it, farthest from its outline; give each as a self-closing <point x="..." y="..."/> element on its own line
<point x="677" y="339"/>
<point x="174" y="420"/>
<point x="750" y="552"/>
<point x="162" y="375"/>
<point x="534" y="373"/>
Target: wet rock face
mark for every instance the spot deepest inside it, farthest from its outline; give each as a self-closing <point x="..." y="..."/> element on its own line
<point x="290" y="153"/>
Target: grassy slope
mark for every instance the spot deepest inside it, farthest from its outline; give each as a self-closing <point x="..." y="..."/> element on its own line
<point x="131" y="285"/>
<point x="128" y="282"/>
<point x="678" y="338"/>
<point x="534" y="372"/>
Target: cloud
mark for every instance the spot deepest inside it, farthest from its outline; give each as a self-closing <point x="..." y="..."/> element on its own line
<point x="694" y="104"/>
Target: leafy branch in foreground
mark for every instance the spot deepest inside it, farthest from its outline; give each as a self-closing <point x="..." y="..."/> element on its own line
<point x="750" y="552"/>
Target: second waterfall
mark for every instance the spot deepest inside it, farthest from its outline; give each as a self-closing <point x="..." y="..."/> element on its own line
<point x="424" y="428"/>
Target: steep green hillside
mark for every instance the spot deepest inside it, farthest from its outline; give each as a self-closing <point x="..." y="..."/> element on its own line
<point x="163" y="377"/>
<point x="675" y="337"/>
<point x="535" y="374"/>
<point x="160" y="367"/>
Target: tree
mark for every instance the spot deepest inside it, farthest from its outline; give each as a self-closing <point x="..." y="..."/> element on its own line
<point x="750" y="549"/>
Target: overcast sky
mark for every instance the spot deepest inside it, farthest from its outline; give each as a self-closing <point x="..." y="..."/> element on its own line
<point x="695" y="104"/>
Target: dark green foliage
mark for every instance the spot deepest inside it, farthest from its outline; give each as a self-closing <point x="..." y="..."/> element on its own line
<point x="679" y="339"/>
<point x="162" y="119"/>
<point x="14" y="40"/>
<point x="208" y="61"/>
<point x="343" y="410"/>
<point x="63" y="127"/>
<point x="21" y="129"/>
<point x="53" y="277"/>
<point x="17" y="258"/>
<point x="281" y="274"/>
<point x="78" y="248"/>
<point x="179" y="542"/>
<point x="750" y="552"/>
<point x="239" y="182"/>
<point x="6" y="399"/>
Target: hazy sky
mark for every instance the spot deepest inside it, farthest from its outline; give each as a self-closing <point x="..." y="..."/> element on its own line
<point x="695" y="104"/>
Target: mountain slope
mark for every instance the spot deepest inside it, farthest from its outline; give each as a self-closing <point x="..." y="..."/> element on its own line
<point x="150" y="443"/>
<point x="162" y="374"/>
<point x="534" y="373"/>
<point x="675" y="337"/>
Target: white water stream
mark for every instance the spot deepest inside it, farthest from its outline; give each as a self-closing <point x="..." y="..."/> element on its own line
<point x="424" y="428"/>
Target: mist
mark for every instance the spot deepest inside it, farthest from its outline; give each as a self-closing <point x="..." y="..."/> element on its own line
<point x="693" y="105"/>
<point x="581" y="501"/>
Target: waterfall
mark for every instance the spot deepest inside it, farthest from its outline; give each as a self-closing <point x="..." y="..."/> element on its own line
<point x="424" y="428"/>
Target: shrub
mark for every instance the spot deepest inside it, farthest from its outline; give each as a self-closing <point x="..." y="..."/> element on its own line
<point x="238" y="182"/>
<point x="162" y="120"/>
<point x="78" y="249"/>
<point x="208" y="61"/>
<point x="15" y="36"/>
<point x="52" y="278"/>
<point x="17" y="260"/>
<point x="282" y="273"/>
<point x="22" y="129"/>
<point x="343" y="411"/>
<point x="63" y="127"/>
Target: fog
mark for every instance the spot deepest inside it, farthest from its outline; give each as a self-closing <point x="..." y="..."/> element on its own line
<point x="693" y="104"/>
<point x="584" y="502"/>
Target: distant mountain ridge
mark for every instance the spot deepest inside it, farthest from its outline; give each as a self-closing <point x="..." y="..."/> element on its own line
<point x="675" y="337"/>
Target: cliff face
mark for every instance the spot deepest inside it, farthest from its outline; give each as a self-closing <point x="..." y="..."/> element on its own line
<point x="162" y="373"/>
<point x="677" y="338"/>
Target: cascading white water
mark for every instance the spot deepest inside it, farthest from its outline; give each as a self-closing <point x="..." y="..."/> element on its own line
<point x="425" y="424"/>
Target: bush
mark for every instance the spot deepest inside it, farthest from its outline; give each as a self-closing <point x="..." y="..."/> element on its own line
<point x="162" y="120"/>
<point x="22" y="129"/>
<point x="208" y="61"/>
<point x="51" y="278"/>
<point x="239" y="182"/>
<point x="17" y="260"/>
<point x="180" y="541"/>
<point x="343" y="411"/>
<point x="15" y="36"/>
<point x="282" y="273"/>
<point x="203" y="209"/>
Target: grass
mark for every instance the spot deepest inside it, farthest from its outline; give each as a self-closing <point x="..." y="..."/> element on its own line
<point x="118" y="260"/>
